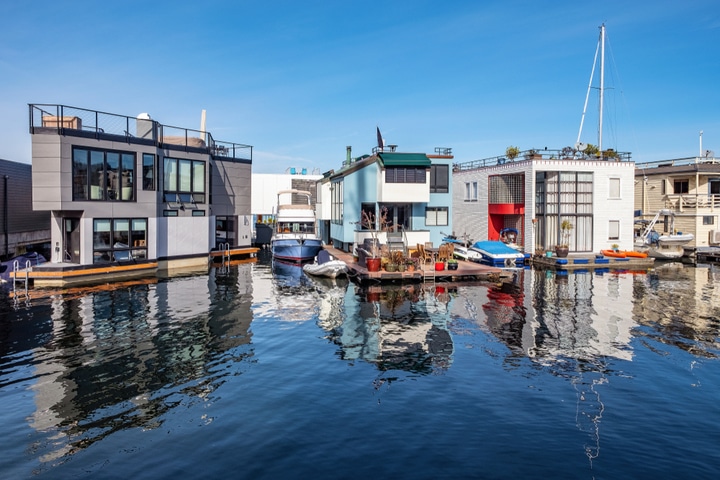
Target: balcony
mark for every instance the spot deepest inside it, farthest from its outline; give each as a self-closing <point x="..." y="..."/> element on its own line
<point x="79" y="122"/>
<point x="682" y="202"/>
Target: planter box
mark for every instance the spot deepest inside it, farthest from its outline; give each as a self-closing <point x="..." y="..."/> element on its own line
<point x="439" y="266"/>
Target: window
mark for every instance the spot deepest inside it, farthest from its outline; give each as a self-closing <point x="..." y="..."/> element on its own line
<point x="404" y="175"/>
<point x="225" y="230"/>
<point x="148" y="171"/>
<point x="439" y="178"/>
<point x="170" y="213"/>
<point x="184" y="180"/>
<point x="471" y="191"/>
<point x="681" y="186"/>
<point x="614" y="230"/>
<point x="708" y="220"/>
<point x="336" y="194"/>
<point x="614" y="188"/>
<point x="396" y="216"/>
<point x="505" y="189"/>
<point x="198" y="213"/>
<point x="103" y="175"/>
<point x="119" y="239"/>
<point x="436" y="216"/>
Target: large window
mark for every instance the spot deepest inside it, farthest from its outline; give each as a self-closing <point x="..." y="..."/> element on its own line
<point x="504" y="189"/>
<point x="148" y="171"/>
<point x="439" y="178"/>
<point x="119" y="239"/>
<point x="395" y="216"/>
<point x="564" y="196"/>
<point x="336" y="192"/>
<point x="103" y="175"/>
<point x="436" y="216"/>
<point x="184" y="180"/>
<point x="404" y="175"/>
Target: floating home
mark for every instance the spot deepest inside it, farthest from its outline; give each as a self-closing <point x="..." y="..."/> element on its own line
<point x="130" y="195"/>
<point x="534" y="192"/>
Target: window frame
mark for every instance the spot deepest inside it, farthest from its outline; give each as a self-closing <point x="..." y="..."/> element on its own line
<point x="440" y="178"/>
<point x="181" y="179"/>
<point x="433" y="212"/>
<point x="116" y="170"/>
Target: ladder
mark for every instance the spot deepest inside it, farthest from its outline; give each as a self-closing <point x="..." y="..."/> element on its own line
<point x="17" y="278"/>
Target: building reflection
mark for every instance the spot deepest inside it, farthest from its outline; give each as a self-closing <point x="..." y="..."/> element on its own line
<point x="118" y="359"/>
<point x="400" y="327"/>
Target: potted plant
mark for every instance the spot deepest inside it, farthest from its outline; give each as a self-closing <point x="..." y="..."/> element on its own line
<point x="368" y="222"/>
<point x="512" y="152"/>
<point x="615" y="246"/>
<point x="452" y="264"/>
<point x="532" y="154"/>
<point x="562" y="248"/>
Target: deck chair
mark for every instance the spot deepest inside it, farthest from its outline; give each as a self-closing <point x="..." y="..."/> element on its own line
<point x="442" y="253"/>
<point x="450" y="250"/>
<point x="425" y="256"/>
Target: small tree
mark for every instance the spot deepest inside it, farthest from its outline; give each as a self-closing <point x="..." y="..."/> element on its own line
<point x="566" y="227"/>
<point x="512" y="152"/>
<point x="591" y="150"/>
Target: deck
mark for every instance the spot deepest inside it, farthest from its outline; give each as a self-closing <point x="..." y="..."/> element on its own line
<point x="591" y="261"/>
<point x="466" y="270"/>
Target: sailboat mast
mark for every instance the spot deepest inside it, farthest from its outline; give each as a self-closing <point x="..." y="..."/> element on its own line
<point x="602" y="84"/>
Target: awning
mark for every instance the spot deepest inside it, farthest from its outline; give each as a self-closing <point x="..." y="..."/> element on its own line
<point x="404" y="159"/>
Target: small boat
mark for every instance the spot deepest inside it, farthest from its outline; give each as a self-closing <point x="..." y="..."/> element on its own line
<point x="497" y="254"/>
<point x="326" y="266"/>
<point x="461" y="249"/>
<point x="613" y="253"/>
<point x="295" y="237"/>
<point x="666" y="245"/>
<point x="509" y="237"/>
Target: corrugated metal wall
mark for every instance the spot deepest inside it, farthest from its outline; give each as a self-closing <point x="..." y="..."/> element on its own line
<point x="17" y="215"/>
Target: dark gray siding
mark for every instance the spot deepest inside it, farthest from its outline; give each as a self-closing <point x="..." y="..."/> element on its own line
<point x="17" y="215"/>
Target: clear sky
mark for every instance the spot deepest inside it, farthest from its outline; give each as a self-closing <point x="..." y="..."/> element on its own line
<point x="301" y="80"/>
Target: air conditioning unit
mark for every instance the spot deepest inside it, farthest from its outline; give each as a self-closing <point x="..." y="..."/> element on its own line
<point x="714" y="237"/>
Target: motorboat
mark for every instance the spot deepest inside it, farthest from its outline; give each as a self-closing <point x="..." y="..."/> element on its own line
<point x="326" y="266"/>
<point x="497" y="254"/>
<point x="509" y="237"/>
<point x="461" y="248"/>
<point x="668" y="245"/>
<point x="295" y="236"/>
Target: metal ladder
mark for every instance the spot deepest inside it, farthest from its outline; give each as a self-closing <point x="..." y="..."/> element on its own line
<point x="17" y="279"/>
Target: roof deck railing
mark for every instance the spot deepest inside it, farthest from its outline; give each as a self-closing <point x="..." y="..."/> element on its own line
<point x="544" y="154"/>
<point x="66" y="120"/>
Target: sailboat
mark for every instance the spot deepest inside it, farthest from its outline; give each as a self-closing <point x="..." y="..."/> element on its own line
<point x="600" y="50"/>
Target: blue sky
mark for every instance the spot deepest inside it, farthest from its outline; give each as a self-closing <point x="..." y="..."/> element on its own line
<point x="301" y="80"/>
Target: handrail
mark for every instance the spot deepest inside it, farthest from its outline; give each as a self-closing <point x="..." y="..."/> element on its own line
<point x="74" y="121"/>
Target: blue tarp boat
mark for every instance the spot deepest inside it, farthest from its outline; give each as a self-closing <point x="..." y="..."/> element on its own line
<point x="497" y="254"/>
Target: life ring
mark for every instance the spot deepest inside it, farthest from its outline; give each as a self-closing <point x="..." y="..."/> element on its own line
<point x="509" y="262"/>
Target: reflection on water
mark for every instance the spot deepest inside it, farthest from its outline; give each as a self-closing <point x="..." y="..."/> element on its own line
<point x="126" y="357"/>
<point x="393" y="327"/>
<point x="120" y="359"/>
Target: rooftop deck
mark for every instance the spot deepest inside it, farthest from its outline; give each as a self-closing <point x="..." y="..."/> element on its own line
<point x="142" y="130"/>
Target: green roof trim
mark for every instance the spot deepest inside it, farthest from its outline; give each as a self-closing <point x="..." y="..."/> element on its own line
<point x="404" y="159"/>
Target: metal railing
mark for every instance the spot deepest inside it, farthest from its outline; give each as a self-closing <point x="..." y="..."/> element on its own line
<point x="66" y="120"/>
<point x="544" y="154"/>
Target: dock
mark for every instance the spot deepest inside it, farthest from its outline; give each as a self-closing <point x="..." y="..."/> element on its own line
<point x="466" y="270"/>
<point x="591" y="261"/>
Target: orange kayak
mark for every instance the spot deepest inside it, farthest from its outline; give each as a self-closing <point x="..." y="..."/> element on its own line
<point x="623" y="253"/>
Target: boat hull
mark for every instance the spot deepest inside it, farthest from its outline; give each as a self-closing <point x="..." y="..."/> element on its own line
<point x="295" y="249"/>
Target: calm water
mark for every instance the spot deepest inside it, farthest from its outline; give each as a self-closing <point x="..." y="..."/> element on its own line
<point x="261" y="373"/>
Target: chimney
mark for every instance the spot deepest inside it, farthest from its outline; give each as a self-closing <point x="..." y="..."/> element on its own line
<point x="348" y="160"/>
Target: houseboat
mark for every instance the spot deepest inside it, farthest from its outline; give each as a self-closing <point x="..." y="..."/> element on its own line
<point x="132" y="196"/>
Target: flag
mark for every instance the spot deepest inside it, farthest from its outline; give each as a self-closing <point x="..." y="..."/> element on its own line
<point x="381" y="142"/>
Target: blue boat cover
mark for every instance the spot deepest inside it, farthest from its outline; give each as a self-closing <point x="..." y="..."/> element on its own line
<point x="494" y="247"/>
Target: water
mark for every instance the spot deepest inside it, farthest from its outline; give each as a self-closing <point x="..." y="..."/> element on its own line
<point x="262" y="373"/>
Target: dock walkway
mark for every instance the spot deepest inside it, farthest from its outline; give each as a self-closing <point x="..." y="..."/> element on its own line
<point x="427" y="272"/>
<point x="591" y="261"/>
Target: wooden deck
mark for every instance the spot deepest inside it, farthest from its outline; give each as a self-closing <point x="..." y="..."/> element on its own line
<point x="466" y="270"/>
